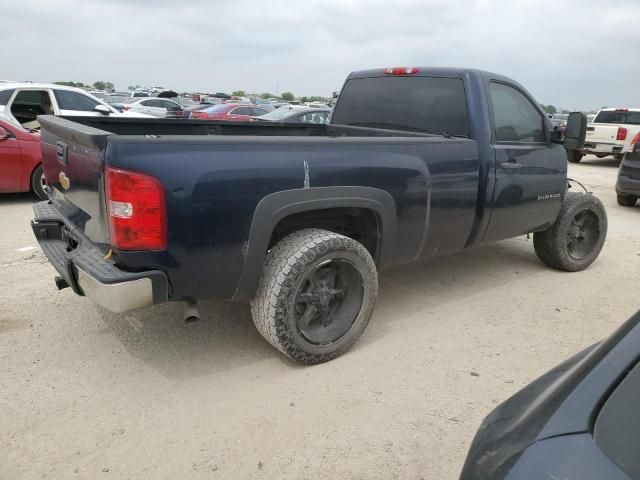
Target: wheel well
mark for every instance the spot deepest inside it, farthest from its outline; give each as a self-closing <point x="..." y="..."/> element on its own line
<point x="361" y="224"/>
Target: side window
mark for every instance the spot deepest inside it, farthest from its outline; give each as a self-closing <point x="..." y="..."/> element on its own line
<point x="147" y="103"/>
<point x="74" y="101"/>
<point x="168" y="105"/>
<point x="516" y="118"/>
<point x="5" y="95"/>
<point x="241" y="111"/>
<point x="258" y="111"/>
<point x="28" y="104"/>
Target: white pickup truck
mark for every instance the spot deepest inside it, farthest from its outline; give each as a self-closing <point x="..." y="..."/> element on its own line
<point x="610" y="133"/>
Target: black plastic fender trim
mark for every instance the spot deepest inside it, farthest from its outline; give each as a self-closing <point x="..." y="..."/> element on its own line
<point x="276" y="206"/>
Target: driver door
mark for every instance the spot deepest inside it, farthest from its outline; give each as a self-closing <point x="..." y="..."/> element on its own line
<point x="530" y="171"/>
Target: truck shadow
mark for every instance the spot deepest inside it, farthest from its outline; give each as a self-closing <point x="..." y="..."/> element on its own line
<point x="225" y="338"/>
<point x="8" y="199"/>
<point x="593" y="161"/>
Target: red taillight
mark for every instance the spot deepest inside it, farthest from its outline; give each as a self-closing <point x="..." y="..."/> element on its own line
<point x="199" y="115"/>
<point x="126" y="107"/>
<point x="401" y="70"/>
<point x="136" y="210"/>
<point x="622" y="133"/>
<point x="635" y="142"/>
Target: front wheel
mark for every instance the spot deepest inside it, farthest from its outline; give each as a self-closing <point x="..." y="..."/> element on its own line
<point x="626" y="200"/>
<point x="574" y="156"/>
<point x="316" y="295"/>
<point x="576" y="238"/>
<point x="38" y="183"/>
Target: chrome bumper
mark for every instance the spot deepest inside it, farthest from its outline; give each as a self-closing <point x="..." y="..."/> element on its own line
<point x="84" y="268"/>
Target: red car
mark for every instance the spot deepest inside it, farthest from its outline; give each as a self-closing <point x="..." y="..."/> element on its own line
<point x="230" y="112"/>
<point x="20" y="160"/>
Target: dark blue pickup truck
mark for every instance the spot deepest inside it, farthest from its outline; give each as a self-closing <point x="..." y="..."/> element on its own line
<point x="299" y="219"/>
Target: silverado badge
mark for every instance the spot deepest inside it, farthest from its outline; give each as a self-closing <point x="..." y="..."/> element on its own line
<point x="64" y="180"/>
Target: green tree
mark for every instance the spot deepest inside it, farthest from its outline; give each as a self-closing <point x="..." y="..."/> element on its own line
<point x="99" y="85"/>
<point x="109" y="87"/>
<point x="238" y="93"/>
<point x="550" y="109"/>
<point x="317" y="99"/>
<point x="288" y="96"/>
<point x="266" y="95"/>
<point x="70" y="84"/>
<point x="304" y="99"/>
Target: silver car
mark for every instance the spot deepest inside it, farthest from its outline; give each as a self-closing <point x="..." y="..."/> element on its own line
<point x="157" y="107"/>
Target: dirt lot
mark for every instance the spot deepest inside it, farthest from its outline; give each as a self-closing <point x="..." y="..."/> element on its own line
<point x="88" y="394"/>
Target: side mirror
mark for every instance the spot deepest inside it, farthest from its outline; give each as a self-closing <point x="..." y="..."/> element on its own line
<point x="102" y="109"/>
<point x="5" y="134"/>
<point x="576" y="131"/>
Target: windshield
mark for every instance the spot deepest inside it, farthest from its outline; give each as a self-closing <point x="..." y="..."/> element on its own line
<point x="618" y="116"/>
<point x="279" y="114"/>
<point x="221" y="107"/>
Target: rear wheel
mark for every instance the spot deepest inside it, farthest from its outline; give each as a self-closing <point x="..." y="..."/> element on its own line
<point x="316" y="295"/>
<point x="601" y="155"/>
<point x="627" y="200"/>
<point x="38" y="183"/>
<point x="574" y="156"/>
<point x="576" y="238"/>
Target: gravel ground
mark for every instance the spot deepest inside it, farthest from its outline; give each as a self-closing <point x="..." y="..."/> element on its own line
<point x="88" y="394"/>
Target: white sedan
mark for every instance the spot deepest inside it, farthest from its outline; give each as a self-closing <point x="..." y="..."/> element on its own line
<point x="22" y="102"/>
<point x="154" y="106"/>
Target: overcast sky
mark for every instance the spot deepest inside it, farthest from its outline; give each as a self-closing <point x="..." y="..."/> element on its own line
<point x="570" y="53"/>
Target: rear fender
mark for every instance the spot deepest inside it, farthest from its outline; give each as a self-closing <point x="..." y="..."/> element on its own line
<point x="273" y="208"/>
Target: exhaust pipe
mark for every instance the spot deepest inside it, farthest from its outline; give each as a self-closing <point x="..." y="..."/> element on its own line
<point x="61" y="283"/>
<point x="191" y="312"/>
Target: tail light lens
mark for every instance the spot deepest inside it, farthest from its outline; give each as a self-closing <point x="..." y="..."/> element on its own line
<point x="635" y="143"/>
<point x="126" y="107"/>
<point x="135" y="210"/>
<point x="622" y="133"/>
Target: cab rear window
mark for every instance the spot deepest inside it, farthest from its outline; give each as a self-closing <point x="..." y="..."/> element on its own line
<point x="618" y="116"/>
<point x="420" y="104"/>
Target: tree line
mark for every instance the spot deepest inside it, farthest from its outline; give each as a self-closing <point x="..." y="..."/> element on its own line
<point x="109" y="87"/>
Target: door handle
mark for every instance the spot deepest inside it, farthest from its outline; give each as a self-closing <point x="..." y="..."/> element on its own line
<point x="510" y="165"/>
<point x="61" y="153"/>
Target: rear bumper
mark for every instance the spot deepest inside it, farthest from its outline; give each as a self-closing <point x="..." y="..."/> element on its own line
<point x="627" y="186"/>
<point x="599" y="148"/>
<point x="85" y="269"/>
<point x="629" y="175"/>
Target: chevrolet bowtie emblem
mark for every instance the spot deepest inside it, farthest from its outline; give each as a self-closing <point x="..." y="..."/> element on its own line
<point x="64" y="180"/>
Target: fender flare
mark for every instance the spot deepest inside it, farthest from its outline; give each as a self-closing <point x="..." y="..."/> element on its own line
<point x="276" y="206"/>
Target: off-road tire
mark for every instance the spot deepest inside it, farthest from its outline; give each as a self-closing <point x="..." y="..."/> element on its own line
<point x="36" y="183"/>
<point x="574" y="156"/>
<point x="551" y="245"/>
<point x="626" y="200"/>
<point x="284" y="268"/>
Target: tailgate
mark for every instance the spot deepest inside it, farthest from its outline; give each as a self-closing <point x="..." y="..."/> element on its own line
<point x="73" y="156"/>
<point x="602" y="133"/>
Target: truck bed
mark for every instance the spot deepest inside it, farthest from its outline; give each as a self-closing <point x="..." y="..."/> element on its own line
<point x="216" y="175"/>
<point x="160" y="126"/>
